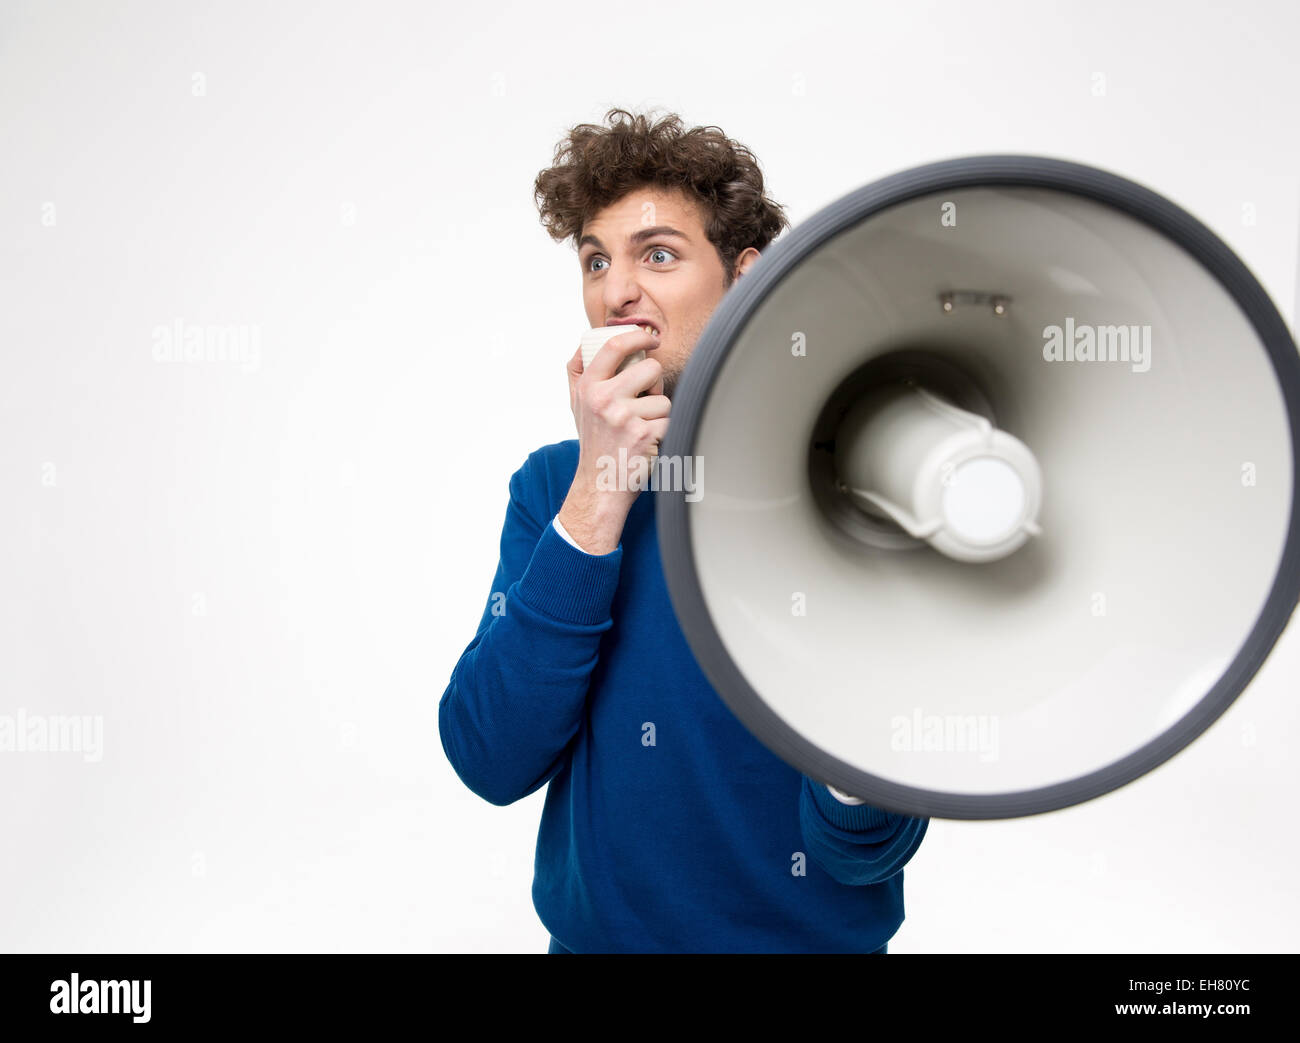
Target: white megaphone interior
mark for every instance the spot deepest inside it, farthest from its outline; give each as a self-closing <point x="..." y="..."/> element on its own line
<point x="1165" y="498"/>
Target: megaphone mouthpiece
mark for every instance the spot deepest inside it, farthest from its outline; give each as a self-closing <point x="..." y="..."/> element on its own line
<point x="944" y="474"/>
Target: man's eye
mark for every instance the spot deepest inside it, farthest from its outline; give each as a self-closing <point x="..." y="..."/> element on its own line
<point x="661" y="250"/>
<point x="591" y="262"/>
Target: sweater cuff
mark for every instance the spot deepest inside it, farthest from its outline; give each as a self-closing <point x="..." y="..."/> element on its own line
<point x="858" y="818"/>
<point x="567" y="583"/>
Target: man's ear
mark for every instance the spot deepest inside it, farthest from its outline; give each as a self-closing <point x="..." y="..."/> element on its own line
<point x="747" y="257"/>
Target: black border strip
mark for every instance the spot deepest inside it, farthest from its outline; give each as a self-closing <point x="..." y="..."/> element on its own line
<point x="735" y="310"/>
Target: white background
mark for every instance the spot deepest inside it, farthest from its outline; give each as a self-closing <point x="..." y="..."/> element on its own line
<point x="262" y="579"/>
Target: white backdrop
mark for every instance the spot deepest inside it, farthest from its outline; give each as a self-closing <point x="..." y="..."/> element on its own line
<point x="258" y="573"/>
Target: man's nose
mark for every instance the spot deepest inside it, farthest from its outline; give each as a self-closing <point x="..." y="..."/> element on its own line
<point x="621" y="288"/>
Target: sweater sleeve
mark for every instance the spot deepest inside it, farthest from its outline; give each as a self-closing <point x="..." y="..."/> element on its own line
<point x="517" y="694"/>
<point x="856" y="843"/>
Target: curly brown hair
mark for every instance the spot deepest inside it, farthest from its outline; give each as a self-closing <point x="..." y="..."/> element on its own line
<point x="595" y="166"/>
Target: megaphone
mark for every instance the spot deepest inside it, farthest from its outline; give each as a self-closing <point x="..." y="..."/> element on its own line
<point x="1000" y="510"/>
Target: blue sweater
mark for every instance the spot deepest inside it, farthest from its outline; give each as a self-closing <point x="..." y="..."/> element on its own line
<point x="667" y="826"/>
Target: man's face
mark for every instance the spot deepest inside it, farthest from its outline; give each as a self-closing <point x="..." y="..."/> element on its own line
<point x="646" y="259"/>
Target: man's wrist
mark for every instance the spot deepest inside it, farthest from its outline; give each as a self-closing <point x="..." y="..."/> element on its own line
<point x="594" y="524"/>
<point x="565" y="533"/>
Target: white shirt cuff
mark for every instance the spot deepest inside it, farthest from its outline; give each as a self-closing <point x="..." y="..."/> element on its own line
<point x="844" y="798"/>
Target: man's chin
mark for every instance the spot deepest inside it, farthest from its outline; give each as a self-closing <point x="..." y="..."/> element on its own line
<point x="671" y="377"/>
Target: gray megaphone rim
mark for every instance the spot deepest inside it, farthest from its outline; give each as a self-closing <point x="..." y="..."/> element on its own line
<point x="738" y="305"/>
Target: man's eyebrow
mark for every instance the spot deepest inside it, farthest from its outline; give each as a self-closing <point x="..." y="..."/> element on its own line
<point x="638" y="236"/>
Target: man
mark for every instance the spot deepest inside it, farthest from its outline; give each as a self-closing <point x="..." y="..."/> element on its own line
<point x="667" y="826"/>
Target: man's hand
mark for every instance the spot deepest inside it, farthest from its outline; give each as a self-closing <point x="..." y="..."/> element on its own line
<point x="611" y="414"/>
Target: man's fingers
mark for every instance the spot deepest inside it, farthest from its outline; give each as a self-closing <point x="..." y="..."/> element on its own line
<point x="638" y="377"/>
<point x="659" y="429"/>
<point x="652" y="407"/>
<point x="612" y="353"/>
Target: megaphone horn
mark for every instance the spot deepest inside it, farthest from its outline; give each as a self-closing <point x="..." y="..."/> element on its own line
<point x="1001" y="509"/>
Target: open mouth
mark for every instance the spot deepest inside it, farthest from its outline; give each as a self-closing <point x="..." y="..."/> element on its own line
<point x="644" y="327"/>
